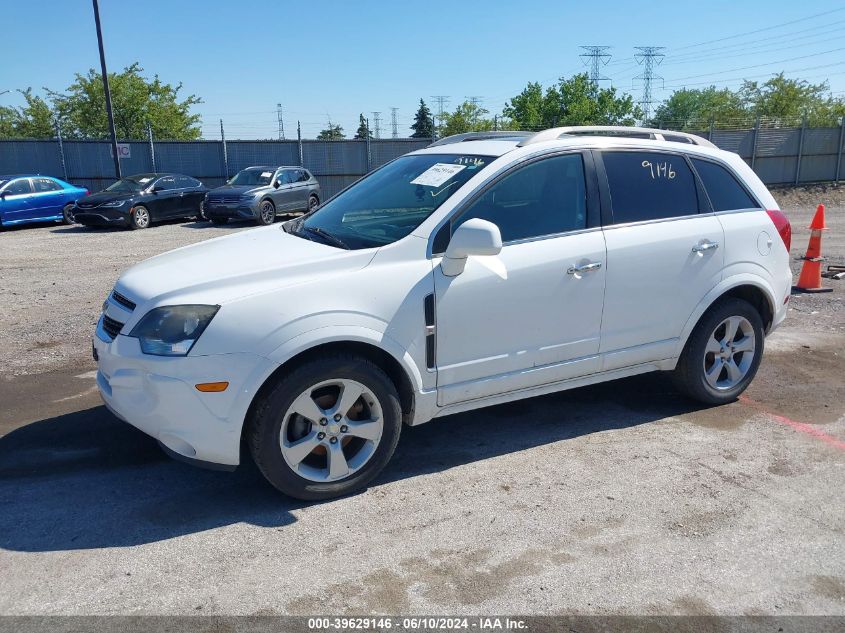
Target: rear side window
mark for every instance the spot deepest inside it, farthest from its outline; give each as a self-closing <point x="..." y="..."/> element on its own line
<point x="542" y="198"/>
<point x="45" y="184"/>
<point x="725" y="193"/>
<point x="165" y="184"/>
<point x="649" y="186"/>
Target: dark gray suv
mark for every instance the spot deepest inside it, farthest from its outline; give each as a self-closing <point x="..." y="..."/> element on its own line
<point x="259" y="193"/>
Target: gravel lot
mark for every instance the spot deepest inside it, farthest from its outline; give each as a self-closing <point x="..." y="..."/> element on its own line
<point x="617" y="498"/>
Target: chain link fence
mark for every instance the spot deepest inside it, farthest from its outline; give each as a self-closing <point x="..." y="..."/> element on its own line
<point x="781" y="152"/>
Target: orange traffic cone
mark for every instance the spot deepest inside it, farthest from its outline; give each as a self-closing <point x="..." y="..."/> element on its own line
<point x="810" y="279"/>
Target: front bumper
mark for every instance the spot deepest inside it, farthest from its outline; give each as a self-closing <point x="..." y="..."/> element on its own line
<point x="158" y="396"/>
<point x="243" y="210"/>
<point x="99" y="216"/>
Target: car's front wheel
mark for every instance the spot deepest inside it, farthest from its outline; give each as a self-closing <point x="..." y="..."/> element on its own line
<point x="139" y="218"/>
<point x="67" y="214"/>
<point x="313" y="202"/>
<point x="327" y="428"/>
<point x="266" y="212"/>
<point x="722" y="354"/>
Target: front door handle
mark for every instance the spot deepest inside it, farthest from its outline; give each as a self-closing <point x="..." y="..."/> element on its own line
<point x="705" y="246"/>
<point x="584" y="268"/>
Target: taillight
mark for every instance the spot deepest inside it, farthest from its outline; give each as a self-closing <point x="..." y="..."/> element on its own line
<point x="782" y="225"/>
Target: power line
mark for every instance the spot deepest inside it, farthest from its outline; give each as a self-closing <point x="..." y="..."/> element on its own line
<point x="767" y="28"/>
<point x="594" y="58"/>
<point x="649" y="57"/>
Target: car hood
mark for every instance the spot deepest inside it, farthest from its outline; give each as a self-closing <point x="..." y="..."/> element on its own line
<point x="227" y="268"/>
<point x="237" y="189"/>
<point x="96" y="199"/>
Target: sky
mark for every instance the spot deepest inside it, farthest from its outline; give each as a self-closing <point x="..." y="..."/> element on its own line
<point x="325" y="60"/>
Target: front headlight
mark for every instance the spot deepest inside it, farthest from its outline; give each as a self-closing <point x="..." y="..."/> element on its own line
<point x="172" y="330"/>
<point x="116" y="203"/>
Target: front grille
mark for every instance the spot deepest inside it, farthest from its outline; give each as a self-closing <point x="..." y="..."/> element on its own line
<point x="225" y="199"/>
<point x="119" y="298"/>
<point x="111" y="327"/>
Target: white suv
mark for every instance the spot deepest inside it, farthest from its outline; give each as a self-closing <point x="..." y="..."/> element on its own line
<point x="482" y="269"/>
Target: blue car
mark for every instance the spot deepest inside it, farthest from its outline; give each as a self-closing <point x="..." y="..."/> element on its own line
<point x="35" y="198"/>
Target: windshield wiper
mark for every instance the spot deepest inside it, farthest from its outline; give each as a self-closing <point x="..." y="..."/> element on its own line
<point x="316" y="230"/>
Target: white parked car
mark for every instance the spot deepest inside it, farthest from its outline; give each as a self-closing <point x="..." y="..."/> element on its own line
<point x="480" y="270"/>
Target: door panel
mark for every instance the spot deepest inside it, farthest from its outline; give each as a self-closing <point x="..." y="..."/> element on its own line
<point x="18" y="204"/>
<point x="518" y="319"/>
<point x="48" y="198"/>
<point x="285" y="196"/>
<point x="167" y="201"/>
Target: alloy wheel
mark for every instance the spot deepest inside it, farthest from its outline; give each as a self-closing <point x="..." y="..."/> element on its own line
<point x="142" y="217"/>
<point x="729" y="353"/>
<point x="268" y="212"/>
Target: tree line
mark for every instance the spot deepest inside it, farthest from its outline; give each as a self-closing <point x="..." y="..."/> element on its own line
<point x="139" y="102"/>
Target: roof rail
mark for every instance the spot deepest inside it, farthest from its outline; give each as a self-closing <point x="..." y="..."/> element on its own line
<point x="615" y="130"/>
<point x="480" y="136"/>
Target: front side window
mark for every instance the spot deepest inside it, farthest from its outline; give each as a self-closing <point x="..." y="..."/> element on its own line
<point x="725" y="193"/>
<point x="649" y="186"/>
<point x="19" y="187"/>
<point x="392" y="201"/>
<point x="543" y="198"/>
<point x="45" y="184"/>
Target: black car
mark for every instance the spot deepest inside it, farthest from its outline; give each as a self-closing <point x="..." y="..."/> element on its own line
<point x="137" y="201"/>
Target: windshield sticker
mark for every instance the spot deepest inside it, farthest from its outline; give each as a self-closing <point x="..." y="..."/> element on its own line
<point x="144" y="181"/>
<point x="266" y="174"/>
<point x="437" y="174"/>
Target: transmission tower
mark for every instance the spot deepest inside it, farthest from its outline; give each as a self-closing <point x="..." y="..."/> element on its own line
<point x="377" y="124"/>
<point x="281" y="122"/>
<point x="648" y="57"/>
<point x="595" y="58"/>
<point x="442" y="101"/>
<point x="394" y="128"/>
<point x="476" y="102"/>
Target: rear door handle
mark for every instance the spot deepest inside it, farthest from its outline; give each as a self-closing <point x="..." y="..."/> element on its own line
<point x="705" y="246"/>
<point x="584" y="268"/>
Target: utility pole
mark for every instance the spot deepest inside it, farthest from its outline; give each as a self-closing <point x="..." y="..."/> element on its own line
<point x="281" y="122"/>
<point x="58" y="125"/>
<point x="377" y="124"/>
<point x="442" y="101"/>
<point x="595" y="58"/>
<point x="648" y="57"/>
<point x="394" y="131"/>
<point x="225" y="151"/>
<point x="109" y="111"/>
<point x="152" y="146"/>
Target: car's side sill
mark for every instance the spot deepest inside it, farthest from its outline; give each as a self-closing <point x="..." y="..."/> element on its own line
<point x="561" y="385"/>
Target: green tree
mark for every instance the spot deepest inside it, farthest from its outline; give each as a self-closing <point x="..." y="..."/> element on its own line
<point x="788" y="100"/>
<point x="573" y="101"/>
<point x="33" y="120"/>
<point x="136" y="101"/>
<point x="332" y="133"/>
<point x="363" y="130"/>
<point x="423" y="126"/>
<point x="467" y="117"/>
<point x="693" y="109"/>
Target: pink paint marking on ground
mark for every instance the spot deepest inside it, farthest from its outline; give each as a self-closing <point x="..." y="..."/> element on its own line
<point x="803" y="427"/>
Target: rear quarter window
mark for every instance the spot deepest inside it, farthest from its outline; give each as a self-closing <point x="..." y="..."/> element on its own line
<point x="723" y="189"/>
<point x="649" y="186"/>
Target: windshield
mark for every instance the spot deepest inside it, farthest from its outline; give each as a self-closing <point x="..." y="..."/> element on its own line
<point x="392" y="201"/>
<point x="253" y="176"/>
<point x="129" y="184"/>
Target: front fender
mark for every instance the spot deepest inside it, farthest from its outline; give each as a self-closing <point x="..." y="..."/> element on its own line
<point x="732" y="281"/>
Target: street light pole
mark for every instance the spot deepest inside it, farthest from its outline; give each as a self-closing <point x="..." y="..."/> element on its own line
<point x="107" y="91"/>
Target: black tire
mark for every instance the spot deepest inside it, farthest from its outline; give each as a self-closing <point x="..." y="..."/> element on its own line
<point x="266" y="212"/>
<point x="265" y="425"/>
<point x="140" y="218"/>
<point x="219" y="221"/>
<point x="313" y="202"/>
<point x="67" y="214"/>
<point x="689" y="375"/>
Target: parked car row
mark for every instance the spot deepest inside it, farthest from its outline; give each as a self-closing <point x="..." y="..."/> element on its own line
<point x="255" y="193"/>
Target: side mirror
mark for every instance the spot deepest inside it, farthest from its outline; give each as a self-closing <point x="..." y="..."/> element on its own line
<point x="276" y="184"/>
<point x="473" y="237"/>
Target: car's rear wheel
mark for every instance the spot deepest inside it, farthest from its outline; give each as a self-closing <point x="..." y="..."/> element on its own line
<point x="313" y="202"/>
<point x="266" y="212"/>
<point x="67" y="214"/>
<point x="722" y="354"/>
<point x="139" y="218"/>
<point x="327" y="429"/>
<point x="219" y="221"/>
